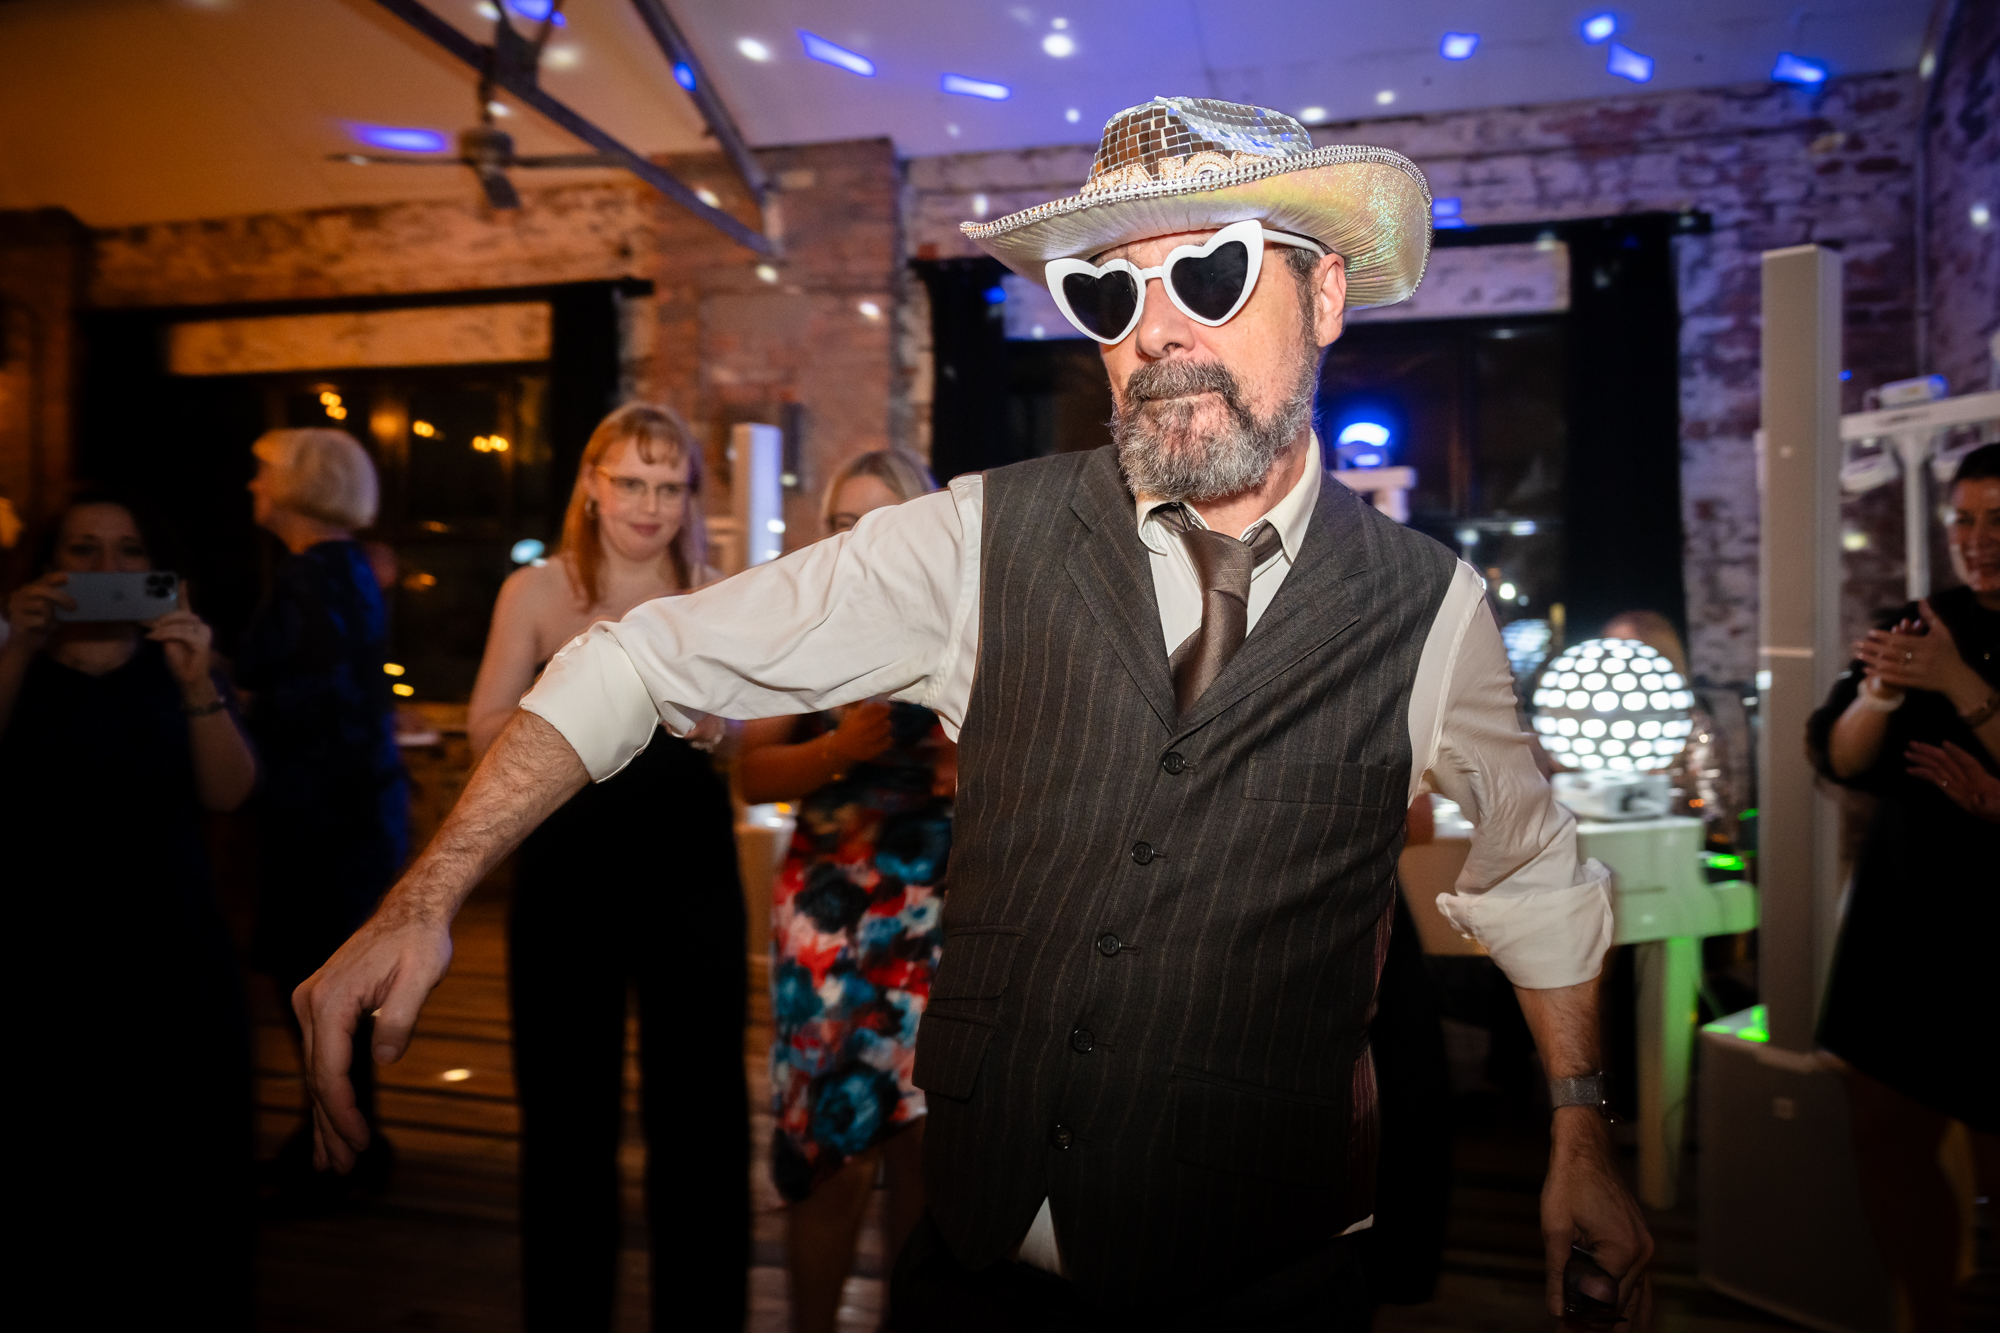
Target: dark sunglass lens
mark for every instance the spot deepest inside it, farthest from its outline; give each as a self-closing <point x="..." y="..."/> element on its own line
<point x="1210" y="285"/>
<point x="1104" y="304"/>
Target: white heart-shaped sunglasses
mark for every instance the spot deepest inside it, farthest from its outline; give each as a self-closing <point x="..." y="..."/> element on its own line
<point x="1208" y="282"/>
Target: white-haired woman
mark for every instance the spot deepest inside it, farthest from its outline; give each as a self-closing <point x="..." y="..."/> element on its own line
<point x="333" y="808"/>
<point x="629" y="889"/>
<point x="856" y="931"/>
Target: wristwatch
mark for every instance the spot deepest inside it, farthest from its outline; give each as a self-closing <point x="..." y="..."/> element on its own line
<point x="1585" y="1090"/>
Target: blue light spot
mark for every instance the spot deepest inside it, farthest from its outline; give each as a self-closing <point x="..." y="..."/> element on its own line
<point x="1846" y="374"/>
<point x="996" y="295"/>
<point x="1368" y="460"/>
<point x="1364" y="432"/>
<point x="1629" y="64"/>
<point x="1447" y="212"/>
<point x="964" y="87"/>
<point x="526" y="551"/>
<point x="537" y="10"/>
<point x="400" y="139"/>
<point x="819" y="48"/>
<point x="1458" y="45"/>
<point x="684" y="75"/>
<point x="1798" y="70"/>
<point x="1598" y="27"/>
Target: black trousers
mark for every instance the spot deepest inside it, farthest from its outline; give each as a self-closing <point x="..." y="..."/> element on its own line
<point x="603" y="912"/>
<point x="931" y="1292"/>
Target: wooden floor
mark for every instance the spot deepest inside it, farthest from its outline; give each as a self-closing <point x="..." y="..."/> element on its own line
<point x="437" y="1251"/>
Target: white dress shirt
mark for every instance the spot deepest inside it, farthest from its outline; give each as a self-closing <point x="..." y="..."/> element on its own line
<point x="891" y="608"/>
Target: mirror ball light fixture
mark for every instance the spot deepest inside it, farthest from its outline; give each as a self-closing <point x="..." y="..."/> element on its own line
<point x="1613" y="704"/>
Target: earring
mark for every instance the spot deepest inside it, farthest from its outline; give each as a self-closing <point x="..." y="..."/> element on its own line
<point x="590" y="506"/>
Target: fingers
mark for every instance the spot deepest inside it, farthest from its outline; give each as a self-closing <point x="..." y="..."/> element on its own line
<point x="340" y="1131"/>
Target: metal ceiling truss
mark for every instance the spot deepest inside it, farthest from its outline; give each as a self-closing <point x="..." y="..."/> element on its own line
<point x="511" y="64"/>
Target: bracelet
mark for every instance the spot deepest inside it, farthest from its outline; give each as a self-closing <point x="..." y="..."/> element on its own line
<point x="826" y="743"/>
<point x="213" y="706"/>
<point x="1977" y="717"/>
<point x="1874" y="703"/>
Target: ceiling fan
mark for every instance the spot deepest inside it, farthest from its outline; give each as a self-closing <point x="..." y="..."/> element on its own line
<point x="484" y="147"/>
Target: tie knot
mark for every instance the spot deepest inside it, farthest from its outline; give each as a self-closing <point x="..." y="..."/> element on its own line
<point x="1215" y="552"/>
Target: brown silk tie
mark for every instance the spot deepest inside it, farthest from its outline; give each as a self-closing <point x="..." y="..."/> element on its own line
<point x="1224" y="566"/>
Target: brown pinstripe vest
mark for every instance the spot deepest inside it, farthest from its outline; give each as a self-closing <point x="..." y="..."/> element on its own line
<point x="1162" y="935"/>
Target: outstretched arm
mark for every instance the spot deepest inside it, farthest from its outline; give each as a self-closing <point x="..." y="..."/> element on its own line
<point x="394" y="961"/>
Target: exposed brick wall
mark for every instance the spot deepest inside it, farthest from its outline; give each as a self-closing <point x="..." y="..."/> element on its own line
<point x="1962" y="134"/>
<point x="716" y="341"/>
<point x="1772" y="165"/>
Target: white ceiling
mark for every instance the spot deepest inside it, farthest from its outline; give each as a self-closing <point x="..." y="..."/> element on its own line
<point x="128" y="111"/>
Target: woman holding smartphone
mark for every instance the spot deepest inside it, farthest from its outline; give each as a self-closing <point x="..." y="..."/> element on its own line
<point x="115" y="738"/>
<point x="606" y="907"/>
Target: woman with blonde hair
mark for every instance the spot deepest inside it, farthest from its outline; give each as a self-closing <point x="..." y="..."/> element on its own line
<point x="856" y="932"/>
<point x="332" y="811"/>
<point x="668" y="929"/>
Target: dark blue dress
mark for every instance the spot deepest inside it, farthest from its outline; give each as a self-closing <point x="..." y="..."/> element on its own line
<point x="333" y="808"/>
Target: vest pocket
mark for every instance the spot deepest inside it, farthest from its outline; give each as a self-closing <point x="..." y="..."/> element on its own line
<point x="977" y="962"/>
<point x="950" y="1049"/>
<point x="1256" y="1131"/>
<point x="1325" y="782"/>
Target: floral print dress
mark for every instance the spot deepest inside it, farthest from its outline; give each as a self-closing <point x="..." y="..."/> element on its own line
<point x="856" y="930"/>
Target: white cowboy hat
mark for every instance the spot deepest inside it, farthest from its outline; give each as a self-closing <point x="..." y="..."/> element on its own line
<point x="1192" y="164"/>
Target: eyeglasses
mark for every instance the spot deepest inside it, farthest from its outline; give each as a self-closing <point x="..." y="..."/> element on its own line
<point x="1208" y="282"/>
<point x="633" y="490"/>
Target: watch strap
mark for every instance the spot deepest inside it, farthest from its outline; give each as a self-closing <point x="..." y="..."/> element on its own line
<point x="1582" y="1090"/>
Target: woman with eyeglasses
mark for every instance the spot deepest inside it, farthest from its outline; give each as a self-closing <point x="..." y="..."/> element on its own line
<point x="856" y="931"/>
<point x="601" y="914"/>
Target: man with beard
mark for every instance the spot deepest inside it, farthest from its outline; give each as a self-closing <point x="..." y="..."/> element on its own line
<point x="1196" y="685"/>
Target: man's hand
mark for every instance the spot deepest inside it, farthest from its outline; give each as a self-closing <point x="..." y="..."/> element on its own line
<point x="1585" y="1204"/>
<point x="387" y="969"/>
<point x="395" y="960"/>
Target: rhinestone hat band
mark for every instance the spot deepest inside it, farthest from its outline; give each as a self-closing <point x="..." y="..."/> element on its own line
<point x="1182" y="138"/>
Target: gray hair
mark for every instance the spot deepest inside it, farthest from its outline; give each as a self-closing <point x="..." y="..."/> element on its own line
<point x="322" y="474"/>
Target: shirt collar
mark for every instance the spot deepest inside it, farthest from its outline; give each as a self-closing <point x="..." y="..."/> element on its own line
<point x="1289" y="516"/>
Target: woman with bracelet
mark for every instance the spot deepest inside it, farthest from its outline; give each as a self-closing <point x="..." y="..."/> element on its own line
<point x="856" y="930"/>
<point x="115" y="738"/>
<point x="1911" y="993"/>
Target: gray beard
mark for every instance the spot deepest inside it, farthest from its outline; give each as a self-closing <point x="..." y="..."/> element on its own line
<point x="1163" y="457"/>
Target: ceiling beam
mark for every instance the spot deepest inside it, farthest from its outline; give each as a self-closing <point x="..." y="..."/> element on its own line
<point x="521" y="83"/>
<point x="674" y="46"/>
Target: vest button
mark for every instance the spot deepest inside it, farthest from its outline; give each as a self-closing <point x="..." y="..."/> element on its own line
<point x="1082" y="1042"/>
<point x="1061" y="1136"/>
<point x="1174" y="763"/>
<point x="1142" y="852"/>
<point x="1109" y="945"/>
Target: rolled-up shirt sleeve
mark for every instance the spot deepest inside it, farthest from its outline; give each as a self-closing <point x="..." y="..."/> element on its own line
<point x="880" y="611"/>
<point x="1545" y="919"/>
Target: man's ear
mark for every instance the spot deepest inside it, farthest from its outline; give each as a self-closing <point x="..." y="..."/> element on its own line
<point x="1330" y="299"/>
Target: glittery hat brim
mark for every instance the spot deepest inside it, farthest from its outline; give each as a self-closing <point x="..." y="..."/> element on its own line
<point x="1368" y="205"/>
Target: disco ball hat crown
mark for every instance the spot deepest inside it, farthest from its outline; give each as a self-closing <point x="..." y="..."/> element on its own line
<point x="1179" y="164"/>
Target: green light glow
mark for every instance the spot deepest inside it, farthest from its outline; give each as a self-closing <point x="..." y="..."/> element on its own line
<point x="1725" y="861"/>
<point x="1751" y="813"/>
<point x="1750" y="1025"/>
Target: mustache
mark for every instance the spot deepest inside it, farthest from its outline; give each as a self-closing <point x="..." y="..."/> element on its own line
<point x="1178" y="379"/>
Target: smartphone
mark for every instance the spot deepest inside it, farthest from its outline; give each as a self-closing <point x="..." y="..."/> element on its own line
<point x="130" y="596"/>
<point x="1581" y="1309"/>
